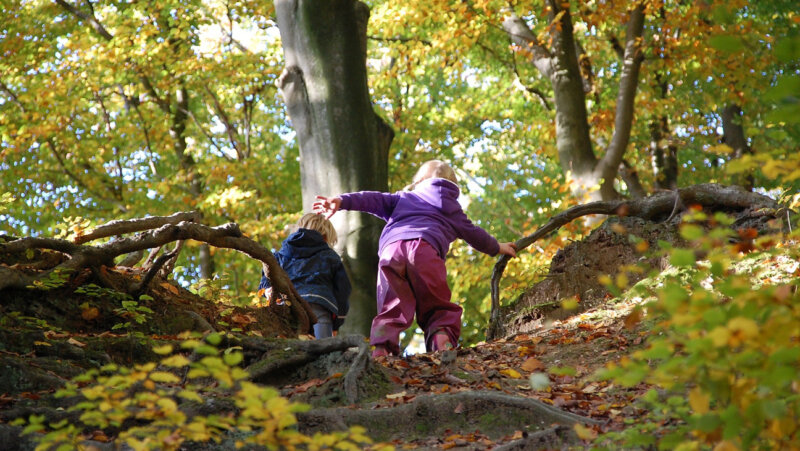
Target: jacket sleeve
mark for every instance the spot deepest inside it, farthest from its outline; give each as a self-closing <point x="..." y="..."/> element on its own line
<point x="264" y="281"/>
<point x="372" y="202"/>
<point x="474" y="235"/>
<point x="341" y="290"/>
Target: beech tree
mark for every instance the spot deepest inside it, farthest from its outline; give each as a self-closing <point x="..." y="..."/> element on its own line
<point x="344" y="145"/>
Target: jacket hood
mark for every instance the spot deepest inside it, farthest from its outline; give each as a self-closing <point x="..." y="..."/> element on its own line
<point x="440" y="193"/>
<point x="303" y="243"/>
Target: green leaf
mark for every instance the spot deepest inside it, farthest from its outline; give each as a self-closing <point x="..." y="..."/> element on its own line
<point x="682" y="257"/>
<point x="726" y="43"/>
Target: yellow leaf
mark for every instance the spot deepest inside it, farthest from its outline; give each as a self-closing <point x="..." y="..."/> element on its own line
<point x="163" y="376"/>
<point x="396" y="395"/>
<point x="510" y="372"/>
<point x="745" y="326"/>
<point x="698" y="400"/>
<point x="719" y="336"/>
<point x="584" y="433"/>
<point x="726" y="446"/>
<point x="176" y="361"/>
<point x="163" y="350"/>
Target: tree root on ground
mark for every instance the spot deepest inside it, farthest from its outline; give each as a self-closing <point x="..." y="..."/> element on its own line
<point x="301" y="352"/>
<point x="463" y="411"/>
<point x="155" y="232"/>
<point x="660" y="206"/>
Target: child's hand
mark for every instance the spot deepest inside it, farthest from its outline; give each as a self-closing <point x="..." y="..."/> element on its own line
<point x="509" y="249"/>
<point x="326" y="205"/>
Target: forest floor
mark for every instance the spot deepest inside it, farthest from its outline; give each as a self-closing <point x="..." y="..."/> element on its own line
<point x="556" y="364"/>
<point x="50" y="336"/>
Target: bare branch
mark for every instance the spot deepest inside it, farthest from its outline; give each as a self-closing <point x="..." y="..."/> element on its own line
<point x="90" y="18"/>
<point x="657" y="205"/>
<point x="230" y="128"/>
<point x="12" y="96"/>
<point x="121" y="227"/>
<point x="519" y="33"/>
<point x="400" y="39"/>
<point x="226" y="236"/>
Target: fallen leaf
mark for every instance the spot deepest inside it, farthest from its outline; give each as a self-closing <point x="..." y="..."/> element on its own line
<point x="531" y="364"/>
<point x="584" y="433"/>
<point x="512" y="373"/>
<point x="90" y="313"/>
<point x="459" y="408"/>
<point x="396" y="395"/>
<point x="77" y="343"/>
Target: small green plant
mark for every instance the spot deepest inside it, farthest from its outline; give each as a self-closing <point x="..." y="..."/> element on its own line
<point x="56" y="278"/>
<point x="144" y="404"/>
<point x="133" y="312"/>
<point x="724" y="355"/>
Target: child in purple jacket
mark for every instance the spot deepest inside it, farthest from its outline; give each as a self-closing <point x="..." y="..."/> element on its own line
<point x="421" y="222"/>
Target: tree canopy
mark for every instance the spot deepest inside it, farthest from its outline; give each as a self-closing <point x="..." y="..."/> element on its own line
<point x="113" y="110"/>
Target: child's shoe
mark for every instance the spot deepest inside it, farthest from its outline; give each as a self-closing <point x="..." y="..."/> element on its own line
<point x="380" y="351"/>
<point x="441" y="342"/>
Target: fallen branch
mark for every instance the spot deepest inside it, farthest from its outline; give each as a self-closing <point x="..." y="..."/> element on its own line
<point x="85" y="256"/>
<point x="658" y="206"/>
<point x="121" y="227"/>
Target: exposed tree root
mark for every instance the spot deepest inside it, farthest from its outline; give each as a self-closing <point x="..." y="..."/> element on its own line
<point x="550" y="438"/>
<point x="301" y="352"/>
<point x="178" y="227"/>
<point x="462" y="411"/>
<point x="660" y="206"/>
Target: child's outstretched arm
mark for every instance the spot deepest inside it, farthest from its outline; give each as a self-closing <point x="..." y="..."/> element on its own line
<point x="327" y="206"/>
<point x="509" y="249"/>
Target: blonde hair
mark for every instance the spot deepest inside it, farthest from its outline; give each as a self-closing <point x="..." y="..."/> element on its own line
<point x="319" y="223"/>
<point x="433" y="169"/>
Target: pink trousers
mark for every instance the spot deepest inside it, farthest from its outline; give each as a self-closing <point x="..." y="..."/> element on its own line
<point x="412" y="278"/>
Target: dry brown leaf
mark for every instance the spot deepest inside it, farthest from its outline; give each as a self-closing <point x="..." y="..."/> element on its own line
<point x="90" y="313"/>
<point x="531" y="364"/>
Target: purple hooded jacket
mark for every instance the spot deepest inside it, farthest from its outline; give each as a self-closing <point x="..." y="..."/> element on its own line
<point x="430" y="212"/>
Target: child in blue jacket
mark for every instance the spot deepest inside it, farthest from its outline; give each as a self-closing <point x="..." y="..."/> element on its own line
<point x="316" y="271"/>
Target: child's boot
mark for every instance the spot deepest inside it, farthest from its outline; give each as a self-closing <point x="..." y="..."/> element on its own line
<point x="441" y="341"/>
<point x="380" y="351"/>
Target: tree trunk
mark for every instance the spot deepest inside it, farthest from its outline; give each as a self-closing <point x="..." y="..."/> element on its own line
<point x="344" y="145"/>
<point x="559" y="64"/>
<point x="733" y="136"/>
<point x="664" y="155"/>
<point x="572" y="120"/>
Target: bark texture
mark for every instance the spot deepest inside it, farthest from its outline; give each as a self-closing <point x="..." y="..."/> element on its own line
<point x="344" y="145"/>
<point x="560" y="64"/>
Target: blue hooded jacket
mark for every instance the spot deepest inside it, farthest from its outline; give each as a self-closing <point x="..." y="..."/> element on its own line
<point x="316" y="271"/>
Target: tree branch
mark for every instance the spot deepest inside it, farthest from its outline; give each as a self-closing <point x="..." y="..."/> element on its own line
<point x="121" y="227"/>
<point x="657" y="205"/>
<point x="607" y="167"/>
<point x="521" y="35"/>
<point x="225" y="236"/>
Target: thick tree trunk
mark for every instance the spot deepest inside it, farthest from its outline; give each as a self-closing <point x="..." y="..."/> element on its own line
<point x="572" y="119"/>
<point x="343" y="144"/>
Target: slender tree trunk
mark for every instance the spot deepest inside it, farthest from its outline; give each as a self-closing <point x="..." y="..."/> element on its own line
<point x="559" y="64"/>
<point x="664" y="155"/>
<point x="344" y="145"/>
<point x="733" y="135"/>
